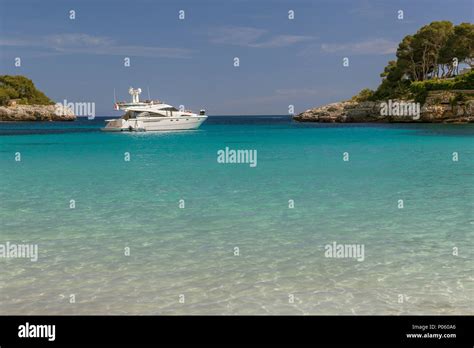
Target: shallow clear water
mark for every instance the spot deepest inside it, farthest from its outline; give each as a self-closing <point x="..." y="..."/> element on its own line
<point x="190" y="251"/>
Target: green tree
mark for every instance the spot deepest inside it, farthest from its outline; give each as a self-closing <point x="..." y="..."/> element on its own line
<point x="459" y="47"/>
<point x="431" y="53"/>
<point x="418" y="55"/>
<point x="20" y="87"/>
<point x="364" y="95"/>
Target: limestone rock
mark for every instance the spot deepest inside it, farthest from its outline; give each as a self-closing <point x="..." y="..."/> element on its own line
<point x="438" y="108"/>
<point x="36" y="113"/>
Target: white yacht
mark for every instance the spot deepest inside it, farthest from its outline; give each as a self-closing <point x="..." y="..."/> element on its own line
<point x="152" y="116"/>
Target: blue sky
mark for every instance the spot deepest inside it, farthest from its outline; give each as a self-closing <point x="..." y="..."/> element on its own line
<point x="191" y="61"/>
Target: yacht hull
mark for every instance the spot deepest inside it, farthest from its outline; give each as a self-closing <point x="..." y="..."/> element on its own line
<point x="154" y="124"/>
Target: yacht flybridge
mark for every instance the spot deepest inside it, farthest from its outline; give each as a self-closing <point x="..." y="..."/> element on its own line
<point x="152" y="116"/>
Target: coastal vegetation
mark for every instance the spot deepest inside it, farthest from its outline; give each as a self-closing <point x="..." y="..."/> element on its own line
<point x="420" y="89"/>
<point x="431" y="80"/>
<point x="20" y="100"/>
<point x="21" y="90"/>
<point x="429" y="60"/>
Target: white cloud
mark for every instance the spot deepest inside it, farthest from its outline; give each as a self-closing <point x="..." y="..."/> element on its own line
<point x="16" y="42"/>
<point x="253" y="37"/>
<point x="281" y="41"/>
<point x="240" y="36"/>
<point x="375" y="46"/>
<point x="99" y="45"/>
<point x="77" y="40"/>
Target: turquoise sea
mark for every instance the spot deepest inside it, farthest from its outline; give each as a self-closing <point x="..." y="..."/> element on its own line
<point x="418" y="259"/>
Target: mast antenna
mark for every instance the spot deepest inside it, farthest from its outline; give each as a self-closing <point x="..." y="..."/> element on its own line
<point x="148" y="88"/>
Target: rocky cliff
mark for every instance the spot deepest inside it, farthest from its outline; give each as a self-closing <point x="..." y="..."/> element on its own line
<point x="36" y="113"/>
<point x="439" y="107"/>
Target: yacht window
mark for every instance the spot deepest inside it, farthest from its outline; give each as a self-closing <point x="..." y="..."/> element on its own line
<point x="170" y="109"/>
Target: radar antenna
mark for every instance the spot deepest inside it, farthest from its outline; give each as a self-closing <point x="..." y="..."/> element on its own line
<point x="135" y="94"/>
